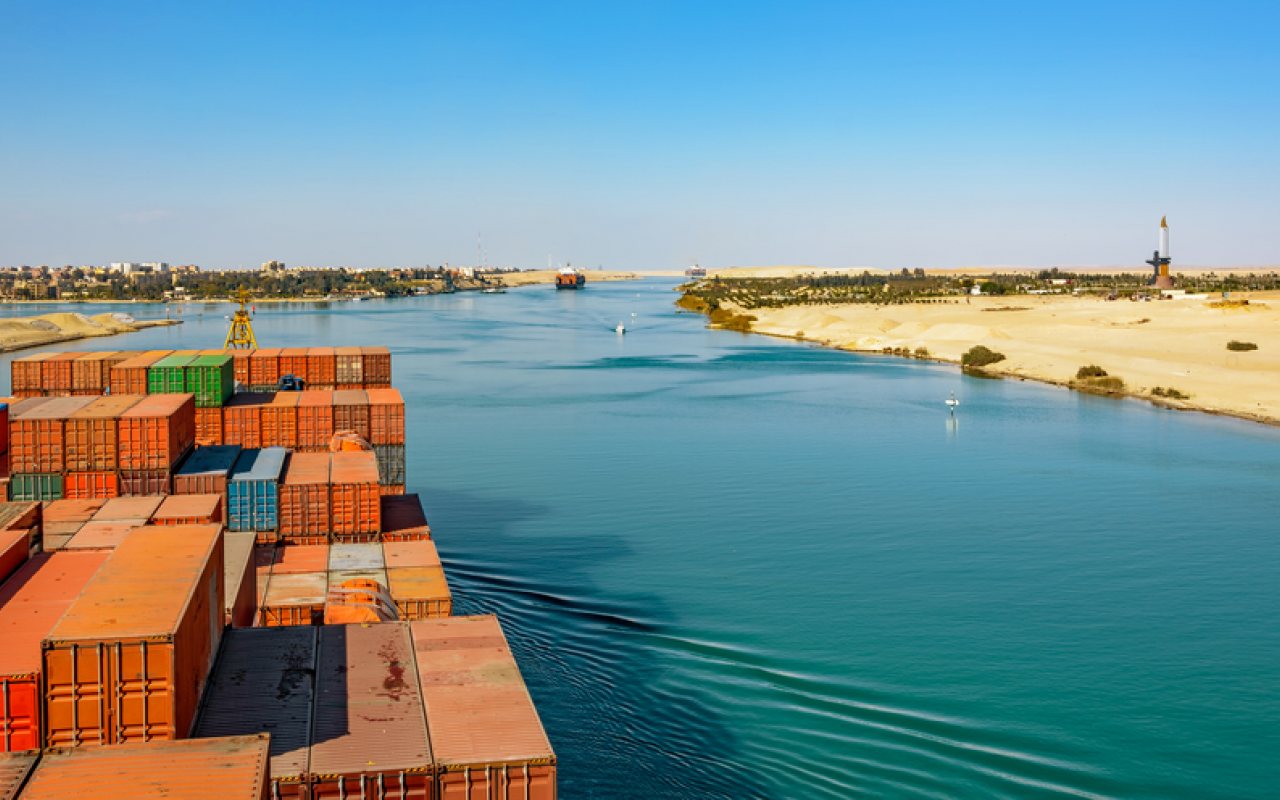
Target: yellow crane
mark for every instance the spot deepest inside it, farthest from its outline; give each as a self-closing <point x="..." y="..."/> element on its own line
<point x="240" y="336"/>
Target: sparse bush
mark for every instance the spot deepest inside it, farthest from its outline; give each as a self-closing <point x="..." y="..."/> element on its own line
<point x="1090" y="371"/>
<point x="1104" y="384"/>
<point x="979" y="356"/>
<point x="692" y="302"/>
<point x="922" y="352"/>
<point x="728" y="320"/>
<point x="1235" y="345"/>
<point x="1169" y="392"/>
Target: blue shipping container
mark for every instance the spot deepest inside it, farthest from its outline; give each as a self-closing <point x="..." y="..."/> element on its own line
<point x="253" y="492"/>
<point x="217" y="459"/>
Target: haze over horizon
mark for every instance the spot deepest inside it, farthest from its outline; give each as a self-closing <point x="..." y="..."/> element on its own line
<point x="639" y="136"/>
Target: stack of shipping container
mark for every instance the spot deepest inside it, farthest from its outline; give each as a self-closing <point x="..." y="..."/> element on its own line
<point x="182" y="548"/>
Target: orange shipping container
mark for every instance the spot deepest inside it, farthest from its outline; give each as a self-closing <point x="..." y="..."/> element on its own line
<point x="349" y="368"/>
<point x="129" y="659"/>
<point x="98" y="485"/>
<point x="386" y="416"/>
<point x="189" y="509"/>
<point x="321" y="368"/>
<point x="294" y="599"/>
<point x="208" y="426"/>
<point x="56" y="373"/>
<point x="240" y="598"/>
<point x="403" y="519"/>
<point x="376" y="366"/>
<point x="280" y="420"/>
<point x="130" y="376"/>
<point x="419" y="592"/>
<point x="15" y="547"/>
<point x="92" y="434"/>
<point x="157" y="431"/>
<point x="102" y="535"/>
<point x="30" y="605"/>
<point x="227" y="768"/>
<point x="293" y="361"/>
<point x="89" y="373"/>
<point x="27" y="375"/>
<point x="121" y="509"/>
<point x="264" y="367"/>
<point x="37" y="434"/>
<point x="242" y="419"/>
<point x="351" y="412"/>
<point x="81" y="511"/>
<point x="315" y="420"/>
<point x="470" y="683"/>
<point x="354" y="498"/>
<point x="304" y="499"/>
<point x="368" y="734"/>
<point x="14" y="769"/>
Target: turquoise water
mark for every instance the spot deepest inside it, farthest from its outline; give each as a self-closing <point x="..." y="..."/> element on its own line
<point x="739" y="567"/>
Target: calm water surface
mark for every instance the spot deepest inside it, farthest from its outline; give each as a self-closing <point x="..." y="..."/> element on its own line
<point x="738" y="567"/>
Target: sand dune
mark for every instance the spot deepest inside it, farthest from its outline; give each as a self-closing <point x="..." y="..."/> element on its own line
<point x="548" y="276"/>
<point x="17" y="333"/>
<point x="1179" y="344"/>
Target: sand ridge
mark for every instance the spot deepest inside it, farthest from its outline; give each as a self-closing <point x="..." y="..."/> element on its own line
<point x="17" y="333"/>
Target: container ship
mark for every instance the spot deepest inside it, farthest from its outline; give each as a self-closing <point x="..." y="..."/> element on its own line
<point x="205" y="582"/>
<point x="570" y="278"/>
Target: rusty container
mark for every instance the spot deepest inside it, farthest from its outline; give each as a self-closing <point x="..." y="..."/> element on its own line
<point x="304" y="499"/>
<point x="416" y="580"/>
<point x="264" y="367"/>
<point x="376" y="366"/>
<point x="293" y="361"/>
<point x="485" y="731"/>
<point x="129" y="659"/>
<point x="209" y="426"/>
<point x="265" y="683"/>
<point x="280" y="420"/>
<point x="145" y="481"/>
<point x="403" y="519"/>
<point x="130" y="376"/>
<point x="30" y="605"/>
<point x="15" y="548"/>
<point x="91" y="444"/>
<point x="240" y="592"/>
<point x="71" y="511"/>
<point x="321" y="368"/>
<point x="126" y="509"/>
<point x="100" y="485"/>
<point x="206" y="470"/>
<point x="157" y="432"/>
<point x="315" y="420"/>
<point x="294" y="599"/>
<point x="189" y="509"/>
<point x="242" y="419"/>
<point x="368" y="736"/>
<point x="37" y="434"/>
<point x="354" y="498"/>
<point x="101" y="535"/>
<point x="349" y="368"/>
<point x="386" y="416"/>
<point x="351" y="412"/>
<point x="56" y="373"/>
<point x="14" y="769"/>
<point x="27" y="376"/>
<point x="229" y="768"/>
<point x="90" y="373"/>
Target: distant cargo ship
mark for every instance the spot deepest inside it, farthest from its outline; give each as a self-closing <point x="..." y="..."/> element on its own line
<point x="696" y="272"/>
<point x="570" y="278"/>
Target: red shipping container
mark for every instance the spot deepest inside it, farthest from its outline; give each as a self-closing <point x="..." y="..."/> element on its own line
<point x="242" y="419"/>
<point x="27" y="375"/>
<point x="92" y="434"/>
<point x="403" y="519"/>
<point x="30" y="604"/>
<point x="386" y="416"/>
<point x="189" y="509"/>
<point x="157" y="432"/>
<point x="37" y="434"/>
<point x="264" y="367"/>
<point x="130" y="376"/>
<point x="56" y="373"/>
<point x="377" y="366"/>
<point x="103" y="485"/>
<point x="471" y="684"/>
<point x="293" y="361"/>
<point x="354" y="497"/>
<point x="315" y="420"/>
<point x="129" y="659"/>
<point x="146" y="481"/>
<point x="208" y="426"/>
<point x="351" y="412"/>
<point x="280" y="420"/>
<point x="304" y="499"/>
<point x="322" y="368"/>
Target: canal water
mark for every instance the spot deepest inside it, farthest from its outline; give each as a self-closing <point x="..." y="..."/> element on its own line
<point x="739" y="567"/>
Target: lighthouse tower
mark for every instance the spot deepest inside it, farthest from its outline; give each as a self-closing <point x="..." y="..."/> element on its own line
<point x="1160" y="278"/>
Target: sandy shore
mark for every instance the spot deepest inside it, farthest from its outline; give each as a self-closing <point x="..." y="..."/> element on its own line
<point x="17" y="333"/>
<point x="548" y="276"/>
<point x="1178" y="344"/>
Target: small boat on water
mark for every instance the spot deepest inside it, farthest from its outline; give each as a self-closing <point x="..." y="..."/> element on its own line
<point x="620" y="329"/>
<point x="952" y="402"/>
<point x="570" y="278"/>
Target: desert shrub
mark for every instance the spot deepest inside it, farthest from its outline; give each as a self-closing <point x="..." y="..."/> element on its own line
<point x="1235" y="345"/>
<point x="1091" y="371"/>
<point x="1103" y="384"/>
<point x="922" y="352"/>
<point x="728" y="320"/>
<point x="1170" y="392"/>
<point x="692" y="302"/>
<point x="979" y="356"/>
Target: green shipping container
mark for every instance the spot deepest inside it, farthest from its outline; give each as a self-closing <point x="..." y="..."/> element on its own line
<point x="35" y="486"/>
<point x="166" y="376"/>
<point x="212" y="379"/>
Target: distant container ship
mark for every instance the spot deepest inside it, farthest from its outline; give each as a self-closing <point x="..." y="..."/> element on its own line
<point x="570" y="278"/>
<point x="696" y="272"/>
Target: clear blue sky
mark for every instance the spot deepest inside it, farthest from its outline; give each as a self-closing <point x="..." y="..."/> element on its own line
<point x="640" y="134"/>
